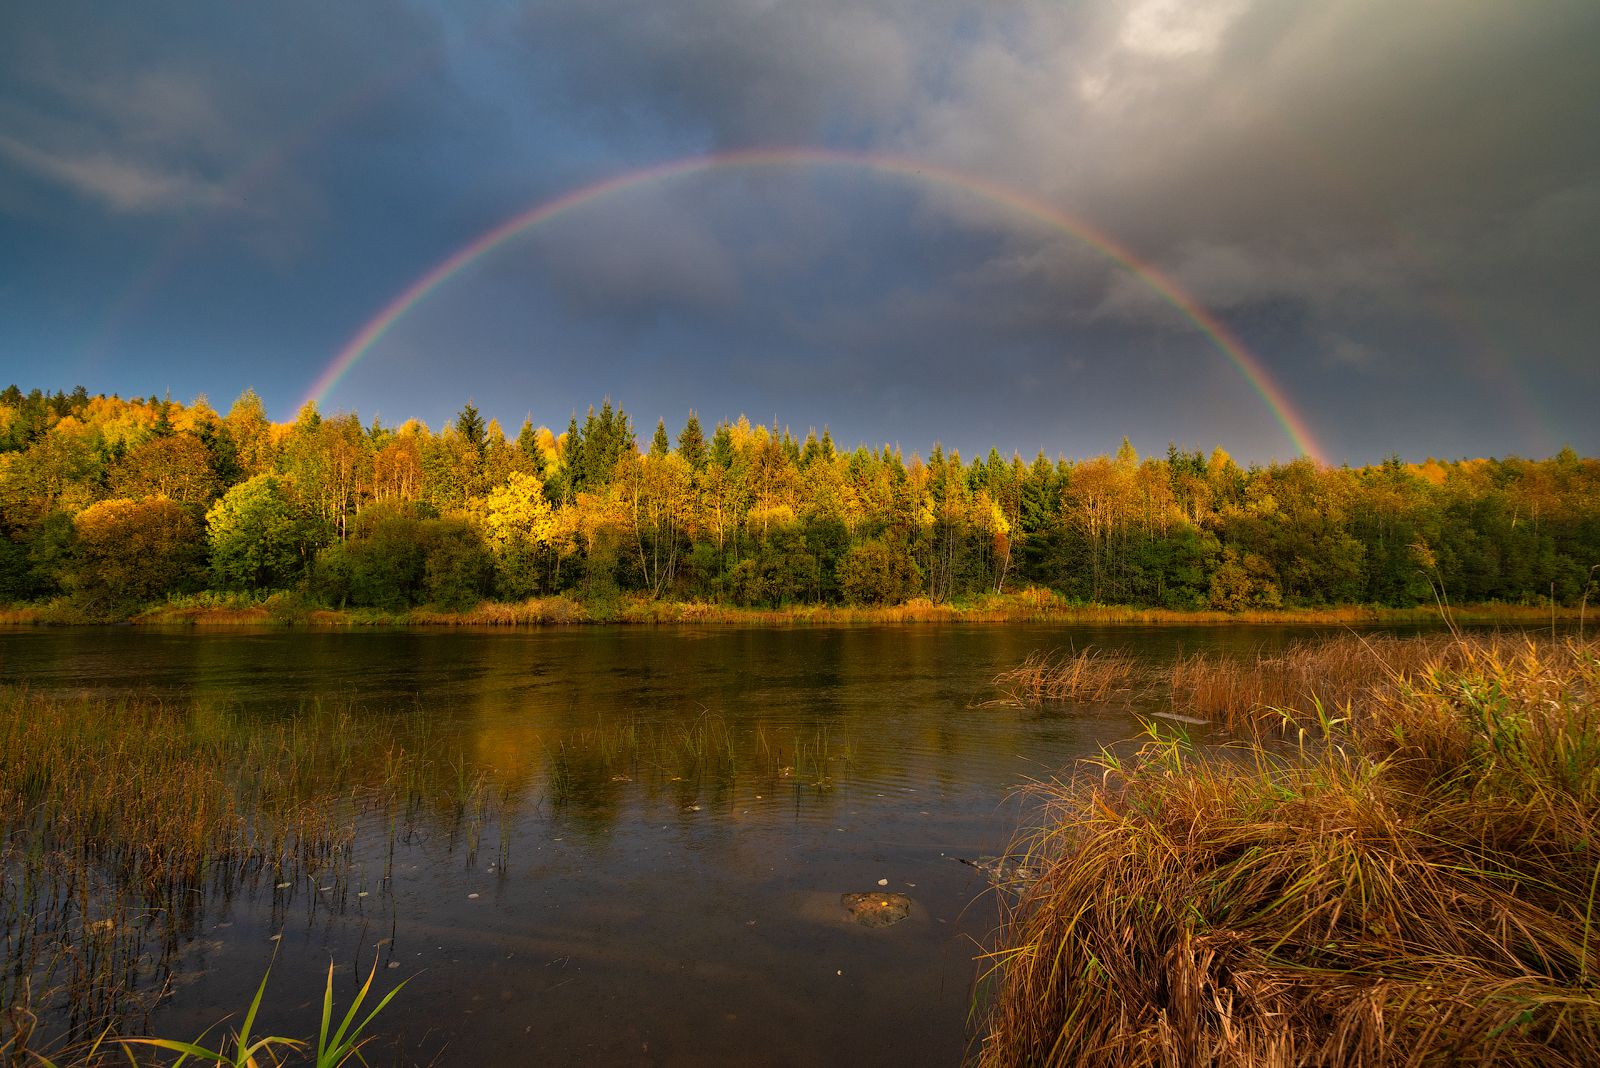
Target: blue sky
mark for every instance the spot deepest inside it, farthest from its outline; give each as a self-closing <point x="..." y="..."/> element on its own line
<point x="1395" y="206"/>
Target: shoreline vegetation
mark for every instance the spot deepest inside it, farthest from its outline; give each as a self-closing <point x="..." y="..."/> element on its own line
<point x="1026" y="606"/>
<point x="1396" y="868"/>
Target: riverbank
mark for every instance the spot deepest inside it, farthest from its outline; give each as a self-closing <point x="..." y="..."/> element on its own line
<point x="1402" y="877"/>
<point x="1027" y="606"/>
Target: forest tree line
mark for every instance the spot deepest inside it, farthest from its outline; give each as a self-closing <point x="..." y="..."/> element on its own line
<point x="115" y="504"/>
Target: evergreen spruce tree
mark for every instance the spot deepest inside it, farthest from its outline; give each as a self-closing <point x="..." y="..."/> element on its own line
<point x="660" y="445"/>
<point x="528" y="445"/>
<point x="722" y="446"/>
<point x="163" y="427"/>
<point x="811" y="452"/>
<point x="572" y="458"/>
<point x="692" y="443"/>
<point x="470" y="424"/>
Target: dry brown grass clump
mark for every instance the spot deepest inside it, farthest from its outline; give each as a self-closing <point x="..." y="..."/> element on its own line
<point x="1415" y="885"/>
<point x="1087" y="675"/>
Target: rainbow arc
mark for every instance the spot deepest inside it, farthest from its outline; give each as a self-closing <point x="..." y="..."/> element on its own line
<point x="1220" y="336"/>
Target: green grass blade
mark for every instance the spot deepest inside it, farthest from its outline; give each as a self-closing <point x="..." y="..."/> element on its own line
<point x="188" y="1049"/>
<point x="327" y="1015"/>
<point x="335" y="1049"/>
<point x="250" y="1017"/>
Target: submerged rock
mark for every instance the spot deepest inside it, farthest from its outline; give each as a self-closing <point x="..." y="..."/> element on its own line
<point x="878" y="909"/>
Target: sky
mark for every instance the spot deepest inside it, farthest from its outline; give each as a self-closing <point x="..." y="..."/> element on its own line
<point x="1343" y="228"/>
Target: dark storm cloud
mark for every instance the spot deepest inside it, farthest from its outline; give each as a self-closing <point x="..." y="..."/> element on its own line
<point x="726" y="73"/>
<point x="1364" y="161"/>
<point x="185" y="112"/>
<point x="1349" y="156"/>
<point x="1380" y="198"/>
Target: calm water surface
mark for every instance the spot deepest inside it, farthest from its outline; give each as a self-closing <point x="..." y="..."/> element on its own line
<point x="639" y="919"/>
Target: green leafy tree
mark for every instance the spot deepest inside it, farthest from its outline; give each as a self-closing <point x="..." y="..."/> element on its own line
<point x="260" y="537"/>
<point x="458" y="568"/>
<point x="382" y="564"/>
<point x="35" y="560"/>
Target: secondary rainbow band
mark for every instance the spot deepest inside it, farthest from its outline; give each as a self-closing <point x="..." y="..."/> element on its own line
<point x="1293" y="425"/>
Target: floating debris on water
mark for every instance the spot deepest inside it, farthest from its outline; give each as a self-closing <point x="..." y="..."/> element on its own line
<point x="877" y="909"/>
<point x="1002" y="871"/>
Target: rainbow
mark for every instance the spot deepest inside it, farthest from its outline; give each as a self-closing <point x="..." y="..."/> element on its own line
<point x="1292" y="423"/>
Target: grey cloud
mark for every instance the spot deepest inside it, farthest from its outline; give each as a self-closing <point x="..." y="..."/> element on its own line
<point x="637" y="258"/>
<point x="120" y="184"/>
<point x="1352" y="159"/>
<point x="182" y="112"/>
<point x="729" y="73"/>
<point x="142" y="142"/>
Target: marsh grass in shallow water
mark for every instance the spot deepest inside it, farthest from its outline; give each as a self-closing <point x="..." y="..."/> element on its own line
<point x="1074" y="675"/>
<point x="1248" y="694"/>
<point x="122" y="820"/>
<point x="1409" y="881"/>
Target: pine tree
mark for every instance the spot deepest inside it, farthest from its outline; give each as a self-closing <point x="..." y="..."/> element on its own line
<point x="660" y="445"/>
<point x="692" y="443"/>
<point x="470" y="425"/>
<point x="164" y="427"/>
<point x="528" y="445"/>
<point x="722" y="446"/>
<point x="572" y="457"/>
<point x="606" y="439"/>
<point x="812" y="450"/>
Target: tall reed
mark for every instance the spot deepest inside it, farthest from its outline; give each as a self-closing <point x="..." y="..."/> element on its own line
<point x="1252" y="692"/>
